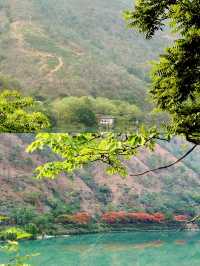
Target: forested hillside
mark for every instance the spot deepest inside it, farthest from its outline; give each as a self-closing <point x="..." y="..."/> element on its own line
<point x="63" y="48"/>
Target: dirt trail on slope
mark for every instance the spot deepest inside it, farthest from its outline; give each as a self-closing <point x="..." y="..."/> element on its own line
<point x="58" y="67"/>
<point x="16" y="33"/>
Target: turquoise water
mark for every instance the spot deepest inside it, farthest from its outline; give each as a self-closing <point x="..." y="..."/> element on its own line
<point x="118" y="249"/>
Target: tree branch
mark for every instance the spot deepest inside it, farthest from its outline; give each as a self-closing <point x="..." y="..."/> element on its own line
<point x="193" y="221"/>
<point x="167" y="166"/>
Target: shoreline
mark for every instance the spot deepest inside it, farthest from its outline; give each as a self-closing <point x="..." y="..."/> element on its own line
<point x="46" y="237"/>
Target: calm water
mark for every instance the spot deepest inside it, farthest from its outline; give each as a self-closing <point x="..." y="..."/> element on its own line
<point x="118" y="249"/>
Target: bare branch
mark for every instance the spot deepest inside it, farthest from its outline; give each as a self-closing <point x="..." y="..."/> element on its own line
<point x="169" y="165"/>
<point x="193" y="221"/>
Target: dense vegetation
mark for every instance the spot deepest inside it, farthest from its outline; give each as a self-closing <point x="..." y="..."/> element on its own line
<point x="29" y="225"/>
<point x="68" y="113"/>
<point x="17" y="114"/>
<point x="83" y="113"/>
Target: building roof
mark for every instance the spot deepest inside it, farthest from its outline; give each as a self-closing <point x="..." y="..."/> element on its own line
<point x="105" y="116"/>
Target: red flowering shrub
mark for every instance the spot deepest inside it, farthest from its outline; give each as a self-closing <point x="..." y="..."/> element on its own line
<point x="180" y="218"/>
<point x="159" y="217"/>
<point x="78" y="218"/>
<point x="81" y="218"/>
<point x="140" y="216"/>
<point x="113" y="217"/>
<point x="124" y="217"/>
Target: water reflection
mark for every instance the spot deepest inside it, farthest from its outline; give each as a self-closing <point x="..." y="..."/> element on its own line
<point x="115" y="247"/>
<point x="119" y="249"/>
<point x="180" y="242"/>
<point x="153" y="244"/>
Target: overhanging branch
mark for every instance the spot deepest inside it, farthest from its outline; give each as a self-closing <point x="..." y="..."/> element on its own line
<point x="167" y="166"/>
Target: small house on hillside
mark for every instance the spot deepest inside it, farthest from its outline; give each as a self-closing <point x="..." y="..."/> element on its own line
<point x="106" y="120"/>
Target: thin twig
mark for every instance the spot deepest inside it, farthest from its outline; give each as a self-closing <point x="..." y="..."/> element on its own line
<point x="169" y="165"/>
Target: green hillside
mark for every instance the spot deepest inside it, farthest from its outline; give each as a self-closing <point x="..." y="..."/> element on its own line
<point x="75" y="48"/>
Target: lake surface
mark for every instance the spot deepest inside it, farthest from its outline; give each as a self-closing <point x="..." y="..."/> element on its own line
<point x="117" y="249"/>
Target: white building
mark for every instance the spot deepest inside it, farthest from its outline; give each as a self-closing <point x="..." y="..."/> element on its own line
<point x="106" y="120"/>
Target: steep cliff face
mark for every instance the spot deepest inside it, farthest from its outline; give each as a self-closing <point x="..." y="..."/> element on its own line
<point x="174" y="190"/>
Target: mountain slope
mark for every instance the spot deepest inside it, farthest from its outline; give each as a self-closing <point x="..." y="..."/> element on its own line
<point x="72" y="47"/>
<point x="174" y="190"/>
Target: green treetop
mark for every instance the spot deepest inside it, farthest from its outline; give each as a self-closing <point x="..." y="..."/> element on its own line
<point x="17" y="115"/>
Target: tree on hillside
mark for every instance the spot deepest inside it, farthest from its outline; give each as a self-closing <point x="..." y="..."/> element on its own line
<point x="176" y="78"/>
<point x="85" y="116"/>
<point x="175" y="90"/>
<point x="17" y="114"/>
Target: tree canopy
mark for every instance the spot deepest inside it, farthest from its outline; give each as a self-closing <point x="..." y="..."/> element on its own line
<point x="176" y="77"/>
<point x="17" y="114"/>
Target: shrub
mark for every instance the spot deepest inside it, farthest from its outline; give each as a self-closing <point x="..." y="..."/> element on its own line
<point x="81" y="218"/>
<point x="14" y="233"/>
<point x="77" y="218"/>
<point x="44" y="222"/>
<point x="64" y="218"/>
<point x="129" y="217"/>
<point x="32" y="229"/>
<point x="181" y="218"/>
<point x="22" y="216"/>
<point x="114" y="217"/>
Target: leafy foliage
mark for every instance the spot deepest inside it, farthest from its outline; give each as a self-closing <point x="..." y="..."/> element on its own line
<point x="14" y="233"/>
<point x="16" y="114"/>
<point x="79" y="150"/>
<point x="17" y="260"/>
<point x="176" y="78"/>
<point x="22" y="216"/>
<point x="13" y="247"/>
